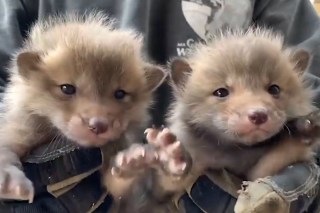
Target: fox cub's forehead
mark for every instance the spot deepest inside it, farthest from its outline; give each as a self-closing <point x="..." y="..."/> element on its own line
<point x="105" y="73"/>
<point x="240" y="71"/>
<point x="105" y="63"/>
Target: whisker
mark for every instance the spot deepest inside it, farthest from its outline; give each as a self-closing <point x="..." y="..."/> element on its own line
<point x="287" y="128"/>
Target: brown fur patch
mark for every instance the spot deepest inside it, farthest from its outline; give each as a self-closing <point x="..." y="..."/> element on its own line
<point x="111" y="81"/>
<point x="90" y="55"/>
<point x="246" y="64"/>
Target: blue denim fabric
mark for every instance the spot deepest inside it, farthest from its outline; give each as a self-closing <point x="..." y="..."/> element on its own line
<point x="51" y="164"/>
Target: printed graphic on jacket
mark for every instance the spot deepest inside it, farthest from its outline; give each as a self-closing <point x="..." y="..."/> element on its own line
<point x="205" y="17"/>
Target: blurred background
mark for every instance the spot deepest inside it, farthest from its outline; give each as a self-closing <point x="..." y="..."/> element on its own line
<point x="316" y="4"/>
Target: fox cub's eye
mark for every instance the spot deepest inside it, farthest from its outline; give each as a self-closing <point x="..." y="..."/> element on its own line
<point x="68" y="89"/>
<point x="274" y="90"/>
<point x="221" y="92"/>
<point x="120" y="94"/>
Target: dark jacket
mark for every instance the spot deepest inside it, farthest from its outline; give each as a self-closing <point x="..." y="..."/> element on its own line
<point x="170" y="27"/>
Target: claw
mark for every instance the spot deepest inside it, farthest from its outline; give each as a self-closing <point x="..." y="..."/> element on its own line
<point x="183" y="166"/>
<point x="133" y="160"/>
<point x="113" y="171"/>
<point x="152" y="135"/>
<point x="120" y="160"/>
<point x="143" y="153"/>
<point x="156" y="156"/>
<point x="174" y="149"/>
<point x="165" y="130"/>
<point x="176" y="145"/>
<point x="31" y="196"/>
<point x="307" y="122"/>
<point x="147" y="131"/>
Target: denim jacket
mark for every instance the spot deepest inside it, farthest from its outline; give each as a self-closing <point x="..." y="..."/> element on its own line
<point x="67" y="178"/>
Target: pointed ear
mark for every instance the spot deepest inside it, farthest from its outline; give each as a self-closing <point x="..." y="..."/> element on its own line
<point x="180" y="70"/>
<point x="155" y="76"/>
<point x="301" y="59"/>
<point x="28" y="62"/>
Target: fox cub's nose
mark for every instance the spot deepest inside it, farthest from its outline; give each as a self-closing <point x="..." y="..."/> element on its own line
<point x="98" y="125"/>
<point x="258" y="117"/>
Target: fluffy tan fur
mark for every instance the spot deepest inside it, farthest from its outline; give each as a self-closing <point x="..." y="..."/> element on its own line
<point x="218" y="89"/>
<point x="98" y="60"/>
<point x="246" y="63"/>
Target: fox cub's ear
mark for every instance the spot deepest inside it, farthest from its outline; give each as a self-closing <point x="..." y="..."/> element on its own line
<point x="301" y="59"/>
<point x="28" y="62"/>
<point x="180" y="71"/>
<point x="155" y="76"/>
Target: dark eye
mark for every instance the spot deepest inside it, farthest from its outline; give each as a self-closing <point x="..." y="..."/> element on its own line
<point x="274" y="90"/>
<point x="221" y="92"/>
<point x="68" y="89"/>
<point x="120" y="94"/>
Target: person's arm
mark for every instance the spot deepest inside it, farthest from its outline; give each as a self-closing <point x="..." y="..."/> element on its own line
<point x="298" y="21"/>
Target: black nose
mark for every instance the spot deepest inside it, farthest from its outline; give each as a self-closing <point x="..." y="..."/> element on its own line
<point x="98" y="126"/>
<point x="258" y="118"/>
